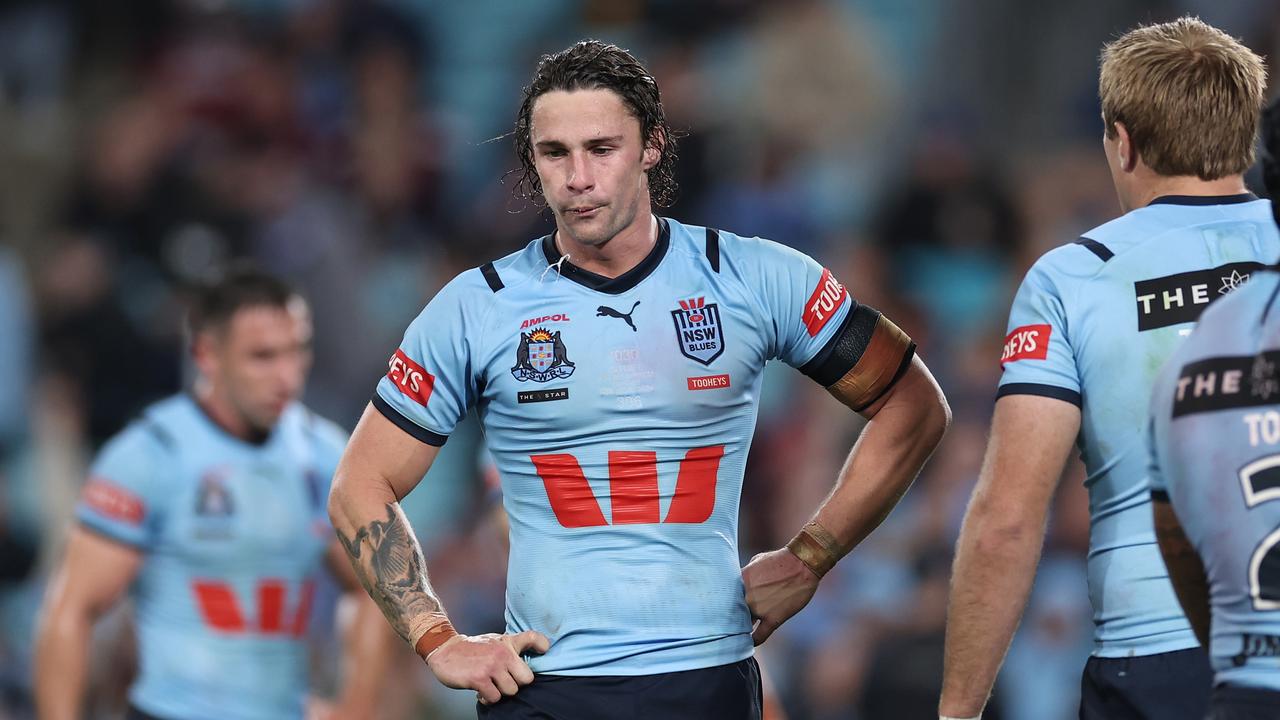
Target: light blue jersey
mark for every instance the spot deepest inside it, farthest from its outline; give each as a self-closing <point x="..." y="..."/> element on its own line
<point x="619" y="413"/>
<point x="232" y="535"/>
<point x="1092" y="324"/>
<point x="1215" y="450"/>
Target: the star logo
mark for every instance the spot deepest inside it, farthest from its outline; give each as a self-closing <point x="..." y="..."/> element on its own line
<point x="1232" y="281"/>
<point x="1262" y="379"/>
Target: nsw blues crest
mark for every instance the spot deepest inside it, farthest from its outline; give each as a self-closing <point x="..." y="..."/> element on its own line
<point x="541" y="357"/>
<point x="699" y="333"/>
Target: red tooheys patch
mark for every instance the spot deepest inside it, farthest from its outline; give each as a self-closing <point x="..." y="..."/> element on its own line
<point x="412" y="379"/>
<point x="114" y="501"/>
<point x="827" y="297"/>
<point x="1029" y="342"/>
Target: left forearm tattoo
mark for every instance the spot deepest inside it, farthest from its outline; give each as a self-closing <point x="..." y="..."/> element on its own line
<point x="389" y="562"/>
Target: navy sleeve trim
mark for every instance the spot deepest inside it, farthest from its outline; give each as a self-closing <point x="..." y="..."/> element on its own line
<point x="845" y="347"/>
<point x="897" y="375"/>
<point x="1049" y="391"/>
<point x="417" y="431"/>
<point x="713" y="249"/>
<point x="1160" y="495"/>
<point x="491" y="276"/>
<point x="103" y="532"/>
<point x="1102" y="251"/>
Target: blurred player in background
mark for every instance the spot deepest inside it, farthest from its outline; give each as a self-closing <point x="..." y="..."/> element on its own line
<point x="209" y="510"/>
<point x="616" y="367"/>
<point x="1090" y="327"/>
<point x="1215" y="479"/>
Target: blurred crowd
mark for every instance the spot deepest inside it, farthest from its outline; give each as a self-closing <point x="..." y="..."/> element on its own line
<point x="926" y="151"/>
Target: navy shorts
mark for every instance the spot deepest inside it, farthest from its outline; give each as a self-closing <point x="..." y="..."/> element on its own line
<point x="731" y="692"/>
<point x="1168" y="686"/>
<point x="1240" y="703"/>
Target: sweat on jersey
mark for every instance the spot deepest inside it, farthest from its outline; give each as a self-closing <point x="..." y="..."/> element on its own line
<point x="619" y="413"/>
<point x="232" y="534"/>
<point x="1092" y="324"/>
<point x="1215" y="454"/>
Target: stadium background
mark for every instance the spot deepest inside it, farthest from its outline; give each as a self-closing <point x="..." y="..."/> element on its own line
<point x="926" y="150"/>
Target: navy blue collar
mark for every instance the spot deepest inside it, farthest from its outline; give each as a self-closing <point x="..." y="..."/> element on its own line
<point x="616" y="285"/>
<point x="1204" y="199"/>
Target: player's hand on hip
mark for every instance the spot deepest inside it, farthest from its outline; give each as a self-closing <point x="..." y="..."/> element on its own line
<point x="778" y="585"/>
<point x="490" y="664"/>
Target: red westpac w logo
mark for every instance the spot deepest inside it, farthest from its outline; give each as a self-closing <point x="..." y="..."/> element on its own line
<point x="633" y="488"/>
<point x="220" y="607"/>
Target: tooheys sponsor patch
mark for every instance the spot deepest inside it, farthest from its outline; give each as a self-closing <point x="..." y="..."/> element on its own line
<point x="1029" y="342"/>
<point x="114" y="501"/>
<point x="1224" y="383"/>
<point x="826" y="298"/>
<point x="411" y="378"/>
<point x="1180" y="298"/>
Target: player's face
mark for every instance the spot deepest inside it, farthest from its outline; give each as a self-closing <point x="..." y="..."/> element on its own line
<point x="591" y="160"/>
<point x="259" y="361"/>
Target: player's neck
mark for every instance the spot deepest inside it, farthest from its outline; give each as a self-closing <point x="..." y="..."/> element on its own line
<point x="1158" y="186"/>
<point x="619" y="254"/>
<point x="220" y="413"/>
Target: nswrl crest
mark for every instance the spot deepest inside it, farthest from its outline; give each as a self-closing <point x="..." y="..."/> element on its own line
<point x="698" y="330"/>
<point x="541" y="357"/>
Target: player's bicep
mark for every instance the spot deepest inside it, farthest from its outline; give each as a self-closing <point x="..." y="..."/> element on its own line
<point x="381" y="453"/>
<point x="1031" y="439"/>
<point x="95" y="573"/>
<point x="916" y="388"/>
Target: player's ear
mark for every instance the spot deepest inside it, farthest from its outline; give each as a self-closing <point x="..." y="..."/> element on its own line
<point x="653" y="149"/>
<point x="1128" y="159"/>
<point x="204" y="351"/>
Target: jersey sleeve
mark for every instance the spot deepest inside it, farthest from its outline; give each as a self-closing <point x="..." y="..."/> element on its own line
<point x="124" y="498"/>
<point x="804" y="301"/>
<point x="430" y="384"/>
<point x="817" y="327"/>
<point x="1037" y="358"/>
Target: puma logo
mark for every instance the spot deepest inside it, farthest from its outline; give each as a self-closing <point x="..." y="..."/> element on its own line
<point x="606" y="311"/>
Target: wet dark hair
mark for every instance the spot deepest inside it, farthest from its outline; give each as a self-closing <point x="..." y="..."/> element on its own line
<point x="589" y="65"/>
<point x="1271" y="155"/>
<point x="215" y="303"/>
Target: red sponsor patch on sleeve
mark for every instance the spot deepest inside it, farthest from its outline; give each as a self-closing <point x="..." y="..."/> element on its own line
<point x="114" y="501"/>
<point x="1029" y="342"/>
<point x="827" y="297"/>
<point x="412" y="379"/>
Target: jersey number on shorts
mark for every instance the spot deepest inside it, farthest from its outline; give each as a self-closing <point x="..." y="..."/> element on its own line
<point x="633" y="488"/>
<point x="221" y="610"/>
<point x="1261" y="482"/>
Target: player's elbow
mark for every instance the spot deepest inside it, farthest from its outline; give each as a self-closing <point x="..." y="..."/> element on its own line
<point x="932" y="412"/>
<point x="63" y="618"/>
<point x="992" y="529"/>
<point x="937" y="419"/>
<point x="337" y="500"/>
